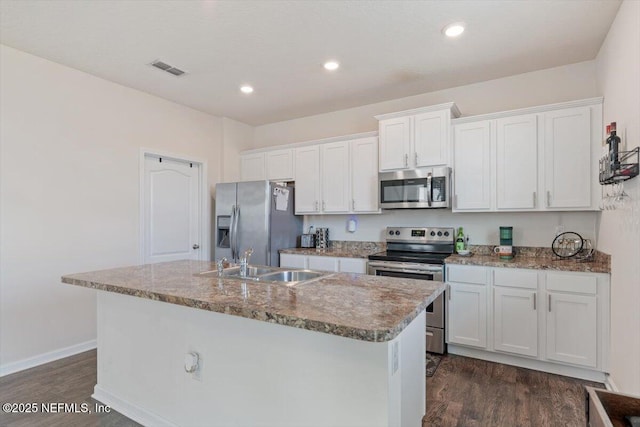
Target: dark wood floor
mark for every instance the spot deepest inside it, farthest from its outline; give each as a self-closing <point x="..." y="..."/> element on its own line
<point x="68" y="380"/>
<point x="463" y="392"/>
<point x="467" y="392"/>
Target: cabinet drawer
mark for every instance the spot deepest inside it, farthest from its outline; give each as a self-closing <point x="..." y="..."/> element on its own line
<point x="575" y="283"/>
<point x="515" y="278"/>
<point x="466" y="274"/>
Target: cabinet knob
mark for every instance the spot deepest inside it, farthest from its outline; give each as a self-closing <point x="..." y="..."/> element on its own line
<point x="406" y="160"/>
<point x="548" y="198"/>
<point x="196" y="246"/>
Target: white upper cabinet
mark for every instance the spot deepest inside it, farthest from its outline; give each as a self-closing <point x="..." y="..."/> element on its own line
<point x="252" y="167"/>
<point x="431" y="138"/>
<point x="472" y="170"/>
<point x="517" y="162"/>
<point x="415" y="138"/>
<point x="567" y="172"/>
<point x="364" y="175"/>
<point x="280" y="165"/>
<point x="541" y="160"/>
<point x="395" y="143"/>
<point x="307" y="197"/>
<point x="335" y="177"/>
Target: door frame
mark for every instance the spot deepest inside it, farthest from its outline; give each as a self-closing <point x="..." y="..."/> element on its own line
<point x="205" y="200"/>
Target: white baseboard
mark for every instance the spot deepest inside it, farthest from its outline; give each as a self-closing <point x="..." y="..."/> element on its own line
<point x="610" y="385"/>
<point x="43" y="358"/>
<point x="129" y="410"/>
<point x="536" y="365"/>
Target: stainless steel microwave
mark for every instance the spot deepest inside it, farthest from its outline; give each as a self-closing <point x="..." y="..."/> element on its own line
<point x="415" y="189"/>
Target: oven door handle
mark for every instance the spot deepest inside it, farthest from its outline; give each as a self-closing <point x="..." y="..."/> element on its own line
<point x="429" y="185"/>
<point x="396" y="267"/>
<point x="424" y="271"/>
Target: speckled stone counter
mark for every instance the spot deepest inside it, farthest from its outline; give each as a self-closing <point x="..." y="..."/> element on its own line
<point x="341" y="249"/>
<point x="367" y="308"/>
<point x="533" y="258"/>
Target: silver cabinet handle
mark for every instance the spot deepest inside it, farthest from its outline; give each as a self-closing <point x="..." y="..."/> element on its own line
<point x="406" y="160"/>
<point x="548" y="198"/>
<point x="416" y="157"/>
<point x="317" y="205"/>
<point x="196" y="246"/>
<point x="534" y="301"/>
<point x="429" y="334"/>
<point x="324" y="205"/>
<point x="455" y="201"/>
<point x="534" y="199"/>
<point x="353" y="204"/>
<point x="549" y="303"/>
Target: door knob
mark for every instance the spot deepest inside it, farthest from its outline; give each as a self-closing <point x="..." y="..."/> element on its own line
<point x="196" y="246"/>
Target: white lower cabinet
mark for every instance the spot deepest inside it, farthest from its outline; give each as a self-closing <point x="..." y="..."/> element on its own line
<point x="549" y="320"/>
<point x="324" y="263"/>
<point x="467" y="306"/>
<point x="572" y="319"/>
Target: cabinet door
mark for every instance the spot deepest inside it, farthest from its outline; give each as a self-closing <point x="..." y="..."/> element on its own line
<point x="307" y="180"/>
<point x="353" y="265"/>
<point x="293" y="261"/>
<point x="567" y="149"/>
<point x="252" y="167"/>
<point x="395" y="143"/>
<point x="472" y="166"/>
<point x="516" y="162"/>
<point x="431" y="139"/>
<point x="280" y="165"/>
<point x="364" y="175"/>
<point x="468" y="315"/>
<point x="323" y="263"/>
<point x="515" y="321"/>
<point x="572" y="329"/>
<point x="335" y="177"/>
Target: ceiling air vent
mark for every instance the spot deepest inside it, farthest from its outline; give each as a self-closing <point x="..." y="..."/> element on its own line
<point x="168" y="68"/>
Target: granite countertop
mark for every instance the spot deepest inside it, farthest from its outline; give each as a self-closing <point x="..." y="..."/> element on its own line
<point x="341" y="249"/>
<point x="332" y="252"/>
<point x="534" y="258"/>
<point x="367" y="308"/>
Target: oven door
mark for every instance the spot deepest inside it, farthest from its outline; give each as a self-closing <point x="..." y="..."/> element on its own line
<point x="413" y="189"/>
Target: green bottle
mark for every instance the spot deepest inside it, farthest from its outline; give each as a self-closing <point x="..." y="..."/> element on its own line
<point x="460" y="240"/>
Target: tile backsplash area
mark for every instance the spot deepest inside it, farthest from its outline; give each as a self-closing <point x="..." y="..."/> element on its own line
<point x="529" y="228"/>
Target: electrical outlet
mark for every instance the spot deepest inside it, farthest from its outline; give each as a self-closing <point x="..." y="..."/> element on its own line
<point x="559" y="229"/>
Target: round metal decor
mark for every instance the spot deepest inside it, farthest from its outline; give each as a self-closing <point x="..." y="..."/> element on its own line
<point x="567" y="244"/>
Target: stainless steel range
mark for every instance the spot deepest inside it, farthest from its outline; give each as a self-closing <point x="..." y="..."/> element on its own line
<point x="418" y="253"/>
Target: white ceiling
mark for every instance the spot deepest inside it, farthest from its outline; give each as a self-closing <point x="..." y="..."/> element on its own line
<point x="387" y="49"/>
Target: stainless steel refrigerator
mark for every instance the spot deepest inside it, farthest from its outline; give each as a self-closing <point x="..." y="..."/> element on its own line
<point x="258" y="215"/>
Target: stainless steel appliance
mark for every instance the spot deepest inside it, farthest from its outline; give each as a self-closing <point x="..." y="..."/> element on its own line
<point x="415" y="189"/>
<point x="258" y="215"/>
<point x="418" y="253"/>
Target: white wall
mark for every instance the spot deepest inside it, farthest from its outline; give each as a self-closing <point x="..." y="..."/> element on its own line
<point x="559" y="84"/>
<point x="237" y="137"/>
<point x="618" y="77"/>
<point x="69" y="158"/>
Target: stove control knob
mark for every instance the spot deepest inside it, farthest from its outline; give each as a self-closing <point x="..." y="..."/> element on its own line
<point x="446" y="233"/>
<point x="390" y="232"/>
<point x="433" y="233"/>
<point x="439" y="233"/>
<point x="397" y="232"/>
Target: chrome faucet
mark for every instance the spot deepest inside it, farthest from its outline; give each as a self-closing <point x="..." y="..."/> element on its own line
<point x="244" y="262"/>
<point x="220" y="266"/>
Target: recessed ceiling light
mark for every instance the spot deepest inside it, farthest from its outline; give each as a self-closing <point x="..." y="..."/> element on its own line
<point x="454" y="30"/>
<point x="246" y="89"/>
<point x="331" y="65"/>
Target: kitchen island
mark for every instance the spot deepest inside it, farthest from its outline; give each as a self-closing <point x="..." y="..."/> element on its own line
<point x="341" y="350"/>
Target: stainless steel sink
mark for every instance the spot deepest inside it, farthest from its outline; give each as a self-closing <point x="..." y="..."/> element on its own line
<point x="292" y="276"/>
<point x="264" y="273"/>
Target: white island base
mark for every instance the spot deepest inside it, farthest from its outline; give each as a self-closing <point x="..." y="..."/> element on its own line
<point x="253" y="373"/>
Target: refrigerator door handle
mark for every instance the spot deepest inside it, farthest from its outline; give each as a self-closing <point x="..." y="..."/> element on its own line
<point x="235" y="231"/>
<point x="232" y="233"/>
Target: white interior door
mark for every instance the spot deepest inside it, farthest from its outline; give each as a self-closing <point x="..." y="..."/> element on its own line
<point x="172" y="206"/>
